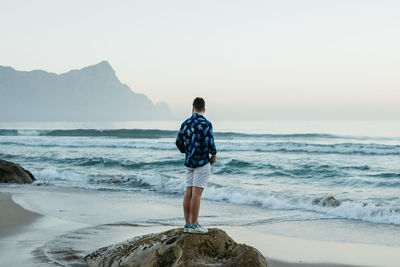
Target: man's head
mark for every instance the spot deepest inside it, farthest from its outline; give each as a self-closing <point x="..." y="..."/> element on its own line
<point x="199" y="105"/>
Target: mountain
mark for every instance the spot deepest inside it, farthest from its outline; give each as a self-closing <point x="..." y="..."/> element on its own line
<point x="93" y="93"/>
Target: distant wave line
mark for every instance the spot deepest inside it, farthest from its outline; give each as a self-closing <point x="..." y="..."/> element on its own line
<point x="157" y="134"/>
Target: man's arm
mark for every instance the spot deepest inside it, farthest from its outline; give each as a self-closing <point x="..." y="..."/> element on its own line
<point x="180" y="144"/>
<point x="211" y="145"/>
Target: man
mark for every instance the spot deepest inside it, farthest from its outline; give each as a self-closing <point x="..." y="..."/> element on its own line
<point x="195" y="139"/>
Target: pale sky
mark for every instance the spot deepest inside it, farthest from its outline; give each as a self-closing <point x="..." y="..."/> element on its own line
<point x="299" y="59"/>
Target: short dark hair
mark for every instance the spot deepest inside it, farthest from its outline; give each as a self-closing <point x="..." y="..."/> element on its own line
<point x="199" y="104"/>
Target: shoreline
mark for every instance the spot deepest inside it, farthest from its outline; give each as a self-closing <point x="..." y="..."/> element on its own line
<point x="24" y="233"/>
<point x="284" y="251"/>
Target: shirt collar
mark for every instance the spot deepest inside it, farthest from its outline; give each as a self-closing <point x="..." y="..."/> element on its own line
<point x="195" y="114"/>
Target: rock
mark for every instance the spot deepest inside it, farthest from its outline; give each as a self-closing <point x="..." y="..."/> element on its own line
<point x="176" y="248"/>
<point x="329" y="201"/>
<point x="11" y="172"/>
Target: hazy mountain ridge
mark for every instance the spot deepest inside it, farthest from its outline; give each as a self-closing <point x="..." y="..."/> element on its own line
<point x="90" y="93"/>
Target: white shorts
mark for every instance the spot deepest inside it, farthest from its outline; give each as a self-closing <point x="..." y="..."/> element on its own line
<point x="198" y="176"/>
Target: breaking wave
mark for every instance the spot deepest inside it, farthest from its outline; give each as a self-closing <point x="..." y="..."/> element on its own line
<point x="385" y="211"/>
<point x="223" y="146"/>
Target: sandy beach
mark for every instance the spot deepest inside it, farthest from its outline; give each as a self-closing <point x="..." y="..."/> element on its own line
<point x="46" y="227"/>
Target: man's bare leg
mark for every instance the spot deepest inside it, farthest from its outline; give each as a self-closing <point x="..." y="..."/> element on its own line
<point x="186" y="204"/>
<point x="195" y="204"/>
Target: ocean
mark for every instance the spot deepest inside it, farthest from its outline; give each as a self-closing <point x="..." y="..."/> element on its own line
<point x="347" y="172"/>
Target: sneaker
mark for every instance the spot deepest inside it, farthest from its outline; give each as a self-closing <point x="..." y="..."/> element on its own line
<point x="198" y="229"/>
<point x="187" y="227"/>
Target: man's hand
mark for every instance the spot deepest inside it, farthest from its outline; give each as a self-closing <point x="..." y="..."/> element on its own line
<point x="213" y="159"/>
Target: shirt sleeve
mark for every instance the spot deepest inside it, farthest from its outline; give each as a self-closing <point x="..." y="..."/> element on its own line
<point x="211" y="145"/>
<point x="180" y="144"/>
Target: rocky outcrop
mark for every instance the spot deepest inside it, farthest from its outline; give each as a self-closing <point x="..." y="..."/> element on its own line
<point x="176" y="248"/>
<point x="11" y="172"/>
<point x="329" y="201"/>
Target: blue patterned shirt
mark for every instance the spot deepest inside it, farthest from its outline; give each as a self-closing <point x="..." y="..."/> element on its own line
<point x="195" y="139"/>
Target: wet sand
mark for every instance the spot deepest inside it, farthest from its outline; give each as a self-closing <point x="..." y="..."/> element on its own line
<point x="276" y="263"/>
<point x="13" y="216"/>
